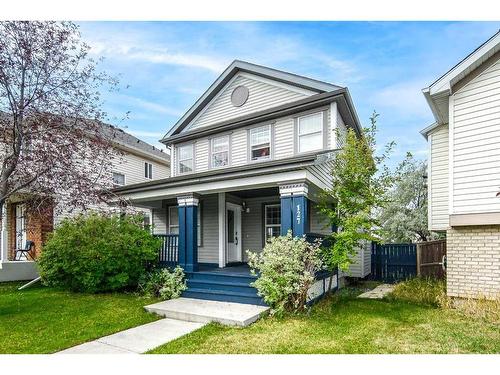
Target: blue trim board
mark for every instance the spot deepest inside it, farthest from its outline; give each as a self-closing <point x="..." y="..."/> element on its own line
<point x="299" y="215"/>
<point x="286" y="215"/>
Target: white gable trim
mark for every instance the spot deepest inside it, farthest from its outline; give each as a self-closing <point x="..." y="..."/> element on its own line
<point x="252" y="77"/>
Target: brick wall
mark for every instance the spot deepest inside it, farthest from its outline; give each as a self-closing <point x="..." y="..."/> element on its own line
<point x="473" y="261"/>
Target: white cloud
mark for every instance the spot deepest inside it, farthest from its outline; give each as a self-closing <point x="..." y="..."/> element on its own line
<point x="151" y="106"/>
<point x="405" y="98"/>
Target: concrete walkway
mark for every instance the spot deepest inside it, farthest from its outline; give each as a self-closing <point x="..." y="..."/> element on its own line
<point x="379" y="292"/>
<point x="183" y="315"/>
<point x="137" y="340"/>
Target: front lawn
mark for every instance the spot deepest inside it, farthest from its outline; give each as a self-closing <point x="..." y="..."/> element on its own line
<point x="45" y="320"/>
<point x="344" y="324"/>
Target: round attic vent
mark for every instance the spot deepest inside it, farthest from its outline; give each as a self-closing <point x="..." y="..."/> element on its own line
<point x="239" y="96"/>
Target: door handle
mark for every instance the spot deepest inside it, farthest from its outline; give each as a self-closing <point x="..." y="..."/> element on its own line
<point x="236" y="238"/>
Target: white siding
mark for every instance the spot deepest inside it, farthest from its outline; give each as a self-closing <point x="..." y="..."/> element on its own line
<point x="263" y="94"/>
<point x="438" y="179"/>
<point x="132" y="166"/>
<point x="475" y="122"/>
<point x="362" y="262"/>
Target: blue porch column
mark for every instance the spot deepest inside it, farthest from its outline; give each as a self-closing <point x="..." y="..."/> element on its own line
<point x="294" y="209"/>
<point x="188" y="232"/>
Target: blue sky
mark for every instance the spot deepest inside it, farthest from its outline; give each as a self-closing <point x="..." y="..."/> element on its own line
<point x="165" y="66"/>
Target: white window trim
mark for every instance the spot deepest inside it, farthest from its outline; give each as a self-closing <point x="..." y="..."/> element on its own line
<point x="265" y="219"/>
<point x="124" y="178"/>
<point x="148" y="175"/>
<point x="178" y="161"/>
<point x="271" y="141"/>
<point x="322" y="132"/>
<point x="211" y="161"/>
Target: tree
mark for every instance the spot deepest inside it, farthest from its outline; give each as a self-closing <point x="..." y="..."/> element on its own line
<point x="52" y="140"/>
<point x="403" y="217"/>
<point x="359" y="181"/>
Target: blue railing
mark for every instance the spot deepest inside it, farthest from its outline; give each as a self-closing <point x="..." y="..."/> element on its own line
<point x="168" y="253"/>
<point x="313" y="237"/>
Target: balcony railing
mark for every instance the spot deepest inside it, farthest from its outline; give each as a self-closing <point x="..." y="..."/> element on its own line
<point x="168" y="254"/>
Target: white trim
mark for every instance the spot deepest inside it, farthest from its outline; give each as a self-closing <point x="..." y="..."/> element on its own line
<point x="124" y="178"/>
<point x="237" y="220"/>
<point x="188" y="200"/>
<point x="451" y="126"/>
<point x="265" y="219"/>
<point x="287" y="190"/>
<point x="429" y="182"/>
<point x="5" y="234"/>
<point x="334" y="124"/>
<point x="243" y="183"/>
<point x="222" y="228"/>
<point x="178" y="161"/>
<point x="271" y="82"/>
<point x="322" y="132"/>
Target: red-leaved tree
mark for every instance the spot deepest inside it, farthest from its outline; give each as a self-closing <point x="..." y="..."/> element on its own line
<point x="53" y="144"/>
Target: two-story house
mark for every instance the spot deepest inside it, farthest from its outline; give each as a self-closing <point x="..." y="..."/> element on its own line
<point x="136" y="161"/>
<point x="464" y="170"/>
<point x="249" y="160"/>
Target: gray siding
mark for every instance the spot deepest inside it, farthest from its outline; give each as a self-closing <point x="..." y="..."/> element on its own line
<point x="209" y="251"/>
<point x="262" y="95"/>
<point x="252" y="225"/>
<point x="159" y="221"/>
<point x="318" y="223"/>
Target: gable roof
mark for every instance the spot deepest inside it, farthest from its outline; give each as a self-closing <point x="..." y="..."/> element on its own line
<point x="243" y="66"/>
<point x="438" y="92"/>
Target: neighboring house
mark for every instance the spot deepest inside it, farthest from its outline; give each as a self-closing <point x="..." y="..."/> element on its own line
<point x="137" y="162"/>
<point x="464" y="170"/>
<point x="249" y="159"/>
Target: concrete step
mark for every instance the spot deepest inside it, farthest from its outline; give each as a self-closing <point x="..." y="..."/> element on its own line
<point x="205" y="311"/>
<point x="223" y="295"/>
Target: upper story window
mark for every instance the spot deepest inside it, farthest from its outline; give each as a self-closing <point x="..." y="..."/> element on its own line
<point x="260" y="143"/>
<point x="310" y="132"/>
<point x="118" y="179"/>
<point x="185" y="159"/>
<point x="220" y="151"/>
<point x="148" y="170"/>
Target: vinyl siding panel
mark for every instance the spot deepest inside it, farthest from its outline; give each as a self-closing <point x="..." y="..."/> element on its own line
<point x="318" y="223"/>
<point x="476" y="144"/>
<point x="438" y="179"/>
<point x="209" y="251"/>
<point x="159" y="220"/>
<point x="132" y="166"/>
<point x="262" y="95"/>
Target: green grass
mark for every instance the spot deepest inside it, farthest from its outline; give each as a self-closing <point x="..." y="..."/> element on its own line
<point x="45" y="320"/>
<point x="344" y="324"/>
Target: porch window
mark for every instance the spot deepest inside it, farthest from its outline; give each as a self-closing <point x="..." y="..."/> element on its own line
<point x="260" y="143"/>
<point x="173" y="221"/>
<point x="118" y="179"/>
<point x="185" y="156"/>
<point x="220" y="151"/>
<point x="272" y="220"/>
<point x="310" y="132"/>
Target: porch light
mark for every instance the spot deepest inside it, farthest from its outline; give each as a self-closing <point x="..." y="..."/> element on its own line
<point x="246" y="209"/>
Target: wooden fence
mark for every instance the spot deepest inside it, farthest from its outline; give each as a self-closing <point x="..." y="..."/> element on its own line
<point x="431" y="259"/>
<point x="393" y="262"/>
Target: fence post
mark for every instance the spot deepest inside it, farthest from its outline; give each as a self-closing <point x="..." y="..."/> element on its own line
<point x="419" y="254"/>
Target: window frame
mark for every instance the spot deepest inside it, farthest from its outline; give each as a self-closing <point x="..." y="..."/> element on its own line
<point x="113" y="179"/>
<point x="148" y="170"/>
<point x="322" y="132"/>
<point x="250" y="145"/>
<point x="212" y="153"/>
<point x="178" y="159"/>
<point x="170" y="226"/>
<point x="264" y="221"/>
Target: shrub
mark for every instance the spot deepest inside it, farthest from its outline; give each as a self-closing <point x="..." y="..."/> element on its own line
<point x="164" y="283"/>
<point x="425" y="291"/>
<point x="96" y="253"/>
<point x="286" y="266"/>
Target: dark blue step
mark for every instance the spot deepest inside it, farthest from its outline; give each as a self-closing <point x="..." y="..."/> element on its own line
<point x="222" y="295"/>
<point x="221" y="277"/>
<point x="221" y="285"/>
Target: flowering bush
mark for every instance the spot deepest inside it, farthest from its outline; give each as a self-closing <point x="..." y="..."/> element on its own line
<point x="286" y="268"/>
<point x="164" y="283"/>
